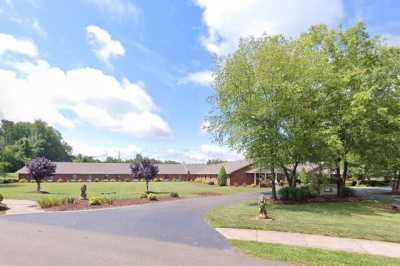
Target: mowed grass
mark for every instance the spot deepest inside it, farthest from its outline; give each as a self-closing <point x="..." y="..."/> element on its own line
<point x="365" y="220"/>
<point x="310" y="256"/>
<point x="123" y="190"/>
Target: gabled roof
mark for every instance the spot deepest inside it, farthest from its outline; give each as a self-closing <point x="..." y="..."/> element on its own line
<point x="230" y="167"/>
<point x="108" y="168"/>
<point x="72" y="168"/>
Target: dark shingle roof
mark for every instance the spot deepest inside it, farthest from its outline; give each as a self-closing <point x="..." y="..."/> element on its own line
<point x="123" y="168"/>
<point x="230" y="167"/>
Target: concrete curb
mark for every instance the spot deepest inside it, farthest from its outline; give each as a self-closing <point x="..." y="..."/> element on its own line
<point x="372" y="247"/>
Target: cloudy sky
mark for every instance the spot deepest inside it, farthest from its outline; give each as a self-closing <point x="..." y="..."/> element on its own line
<point x="120" y="76"/>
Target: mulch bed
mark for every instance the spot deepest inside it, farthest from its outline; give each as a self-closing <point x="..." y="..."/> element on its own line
<point x="317" y="200"/>
<point x="83" y="204"/>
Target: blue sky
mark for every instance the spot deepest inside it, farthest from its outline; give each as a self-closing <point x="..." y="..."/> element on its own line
<point x="134" y="76"/>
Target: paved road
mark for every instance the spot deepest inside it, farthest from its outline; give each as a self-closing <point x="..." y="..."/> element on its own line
<point x="165" y="233"/>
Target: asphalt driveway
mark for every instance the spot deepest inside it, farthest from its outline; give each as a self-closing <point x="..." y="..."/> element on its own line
<point x="165" y="233"/>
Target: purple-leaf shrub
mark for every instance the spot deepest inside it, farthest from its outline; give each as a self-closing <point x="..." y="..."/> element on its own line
<point x="40" y="168"/>
<point x="144" y="169"/>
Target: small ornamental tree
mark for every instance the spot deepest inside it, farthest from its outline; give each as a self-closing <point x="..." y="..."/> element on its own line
<point x="222" y="177"/>
<point x="39" y="168"/>
<point x="144" y="169"/>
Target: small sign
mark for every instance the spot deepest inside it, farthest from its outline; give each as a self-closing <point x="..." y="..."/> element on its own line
<point x="328" y="190"/>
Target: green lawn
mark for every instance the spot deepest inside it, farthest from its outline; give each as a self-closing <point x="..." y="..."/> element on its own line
<point x="310" y="256"/>
<point x="366" y="220"/>
<point x="124" y="190"/>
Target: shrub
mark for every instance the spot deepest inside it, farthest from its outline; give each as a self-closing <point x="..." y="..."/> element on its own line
<point x="222" y="177"/>
<point x="151" y="196"/>
<point x="348" y="192"/>
<point x="70" y="200"/>
<point x="60" y="180"/>
<point x="304" y="177"/>
<point x="1" y="198"/>
<point x="210" y="183"/>
<point x="9" y="181"/>
<point x="112" y="180"/>
<point x="375" y="183"/>
<point x="49" y="202"/>
<point x="143" y="196"/>
<point x="23" y="180"/>
<point x="174" y="195"/>
<point x="96" y="179"/>
<point x="295" y="193"/>
<point x="94" y="201"/>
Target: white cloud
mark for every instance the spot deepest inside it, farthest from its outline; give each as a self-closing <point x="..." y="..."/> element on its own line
<point x="36" y="90"/>
<point x="201" y="154"/>
<point x="204" y="127"/>
<point x="210" y="151"/>
<point x="227" y="21"/>
<point x="119" y="8"/>
<point x="102" y="43"/>
<point x="37" y="27"/>
<point x="203" y="78"/>
<point x="9" y="43"/>
<point x="391" y="39"/>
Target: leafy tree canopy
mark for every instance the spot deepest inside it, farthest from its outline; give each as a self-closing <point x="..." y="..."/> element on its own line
<point x="22" y="141"/>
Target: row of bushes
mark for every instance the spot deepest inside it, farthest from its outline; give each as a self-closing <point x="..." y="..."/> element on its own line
<point x="304" y="193"/>
<point x="204" y="181"/>
<point x="51" y="202"/>
<point x="8" y="180"/>
<point x="375" y="183"/>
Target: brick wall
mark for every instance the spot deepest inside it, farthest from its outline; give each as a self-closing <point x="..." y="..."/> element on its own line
<point x="240" y="177"/>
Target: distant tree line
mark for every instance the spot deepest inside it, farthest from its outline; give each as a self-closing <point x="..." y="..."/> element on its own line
<point x="20" y="142"/>
<point x="215" y="161"/>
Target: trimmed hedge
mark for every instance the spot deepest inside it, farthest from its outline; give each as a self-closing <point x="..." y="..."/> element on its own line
<point x="295" y="193"/>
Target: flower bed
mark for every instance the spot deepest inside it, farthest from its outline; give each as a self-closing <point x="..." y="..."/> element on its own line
<point x="84" y="204"/>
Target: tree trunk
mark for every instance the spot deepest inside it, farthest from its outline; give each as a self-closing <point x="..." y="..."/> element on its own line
<point x="147" y="186"/>
<point x="38" y="186"/>
<point x="338" y="178"/>
<point x="294" y="174"/>
<point x="396" y="184"/>
<point x="273" y="183"/>
<point x="342" y="180"/>
<point x="288" y="176"/>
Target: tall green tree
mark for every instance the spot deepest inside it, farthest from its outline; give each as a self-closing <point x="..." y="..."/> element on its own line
<point x="359" y="96"/>
<point x="22" y="141"/>
<point x="265" y="101"/>
<point x="327" y="96"/>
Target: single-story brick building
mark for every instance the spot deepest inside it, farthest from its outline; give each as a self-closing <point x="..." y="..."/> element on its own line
<point x="239" y="172"/>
